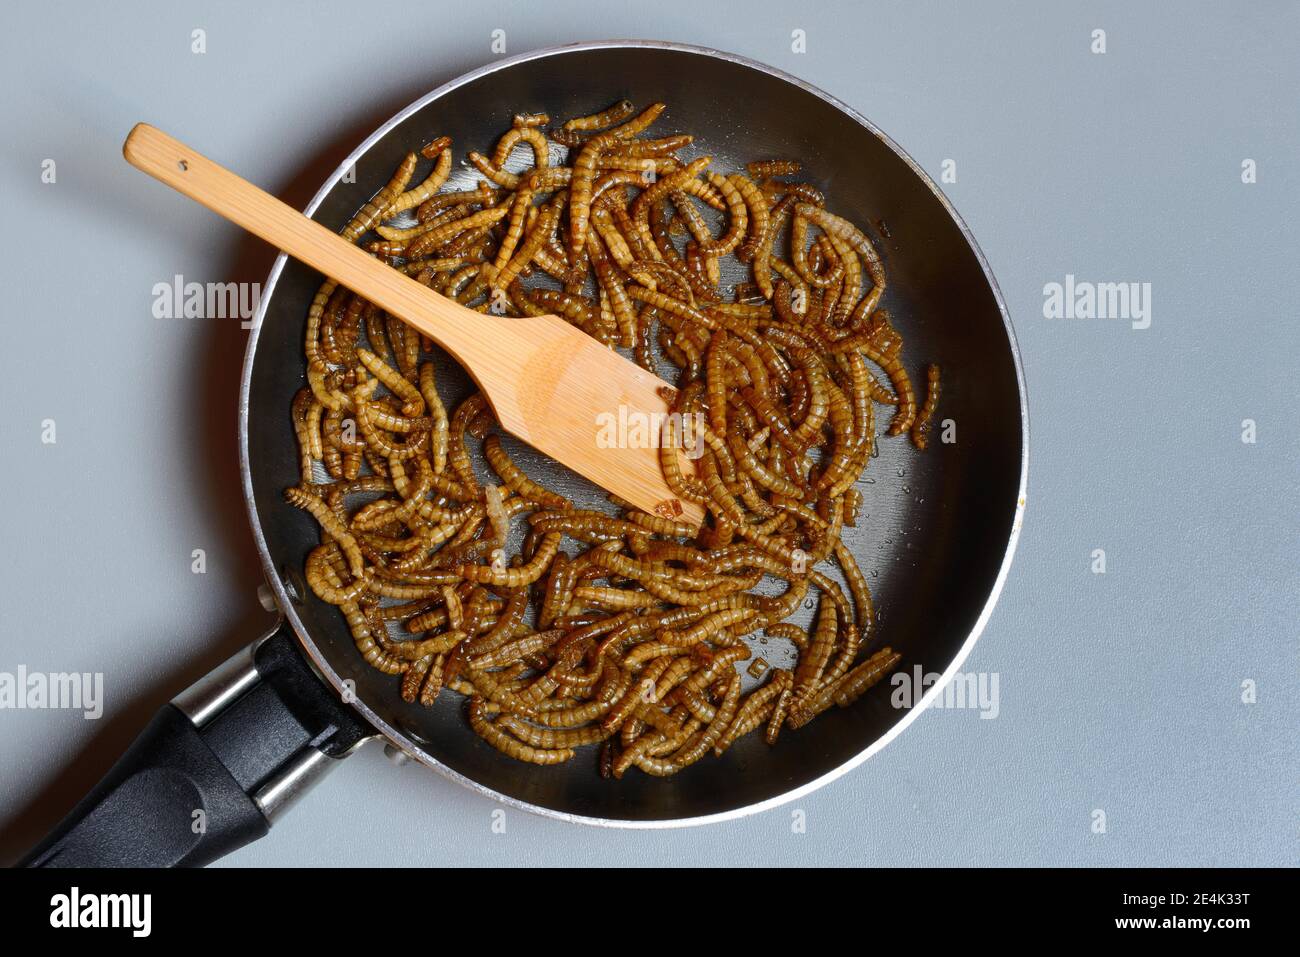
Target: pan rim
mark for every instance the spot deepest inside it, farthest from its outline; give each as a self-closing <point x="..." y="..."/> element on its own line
<point x="317" y="659"/>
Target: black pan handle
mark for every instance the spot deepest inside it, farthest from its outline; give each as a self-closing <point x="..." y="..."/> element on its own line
<point x="214" y="768"/>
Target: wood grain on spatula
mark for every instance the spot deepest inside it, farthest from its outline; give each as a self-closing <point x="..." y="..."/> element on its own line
<point x="549" y="383"/>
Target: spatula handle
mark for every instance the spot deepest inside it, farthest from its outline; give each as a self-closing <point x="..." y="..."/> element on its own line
<point x="460" y="331"/>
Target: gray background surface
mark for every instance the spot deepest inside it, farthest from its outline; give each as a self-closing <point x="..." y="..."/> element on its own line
<point x="1120" y="692"/>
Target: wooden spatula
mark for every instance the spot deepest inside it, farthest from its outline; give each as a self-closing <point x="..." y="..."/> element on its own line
<point x="548" y="382"/>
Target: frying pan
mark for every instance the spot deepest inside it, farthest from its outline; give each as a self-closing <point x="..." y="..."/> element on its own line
<point x="219" y="764"/>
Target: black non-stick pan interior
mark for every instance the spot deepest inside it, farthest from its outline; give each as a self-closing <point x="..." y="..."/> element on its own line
<point x="935" y="526"/>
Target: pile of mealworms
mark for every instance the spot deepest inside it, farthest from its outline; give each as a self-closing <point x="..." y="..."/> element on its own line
<point x="610" y="627"/>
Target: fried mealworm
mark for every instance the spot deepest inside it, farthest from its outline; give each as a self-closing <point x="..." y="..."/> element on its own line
<point x="921" y="426"/>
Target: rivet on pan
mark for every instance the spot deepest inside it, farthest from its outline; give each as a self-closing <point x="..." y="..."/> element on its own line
<point x="293" y="583"/>
<point x="396" y="755"/>
<point x="266" y="597"/>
